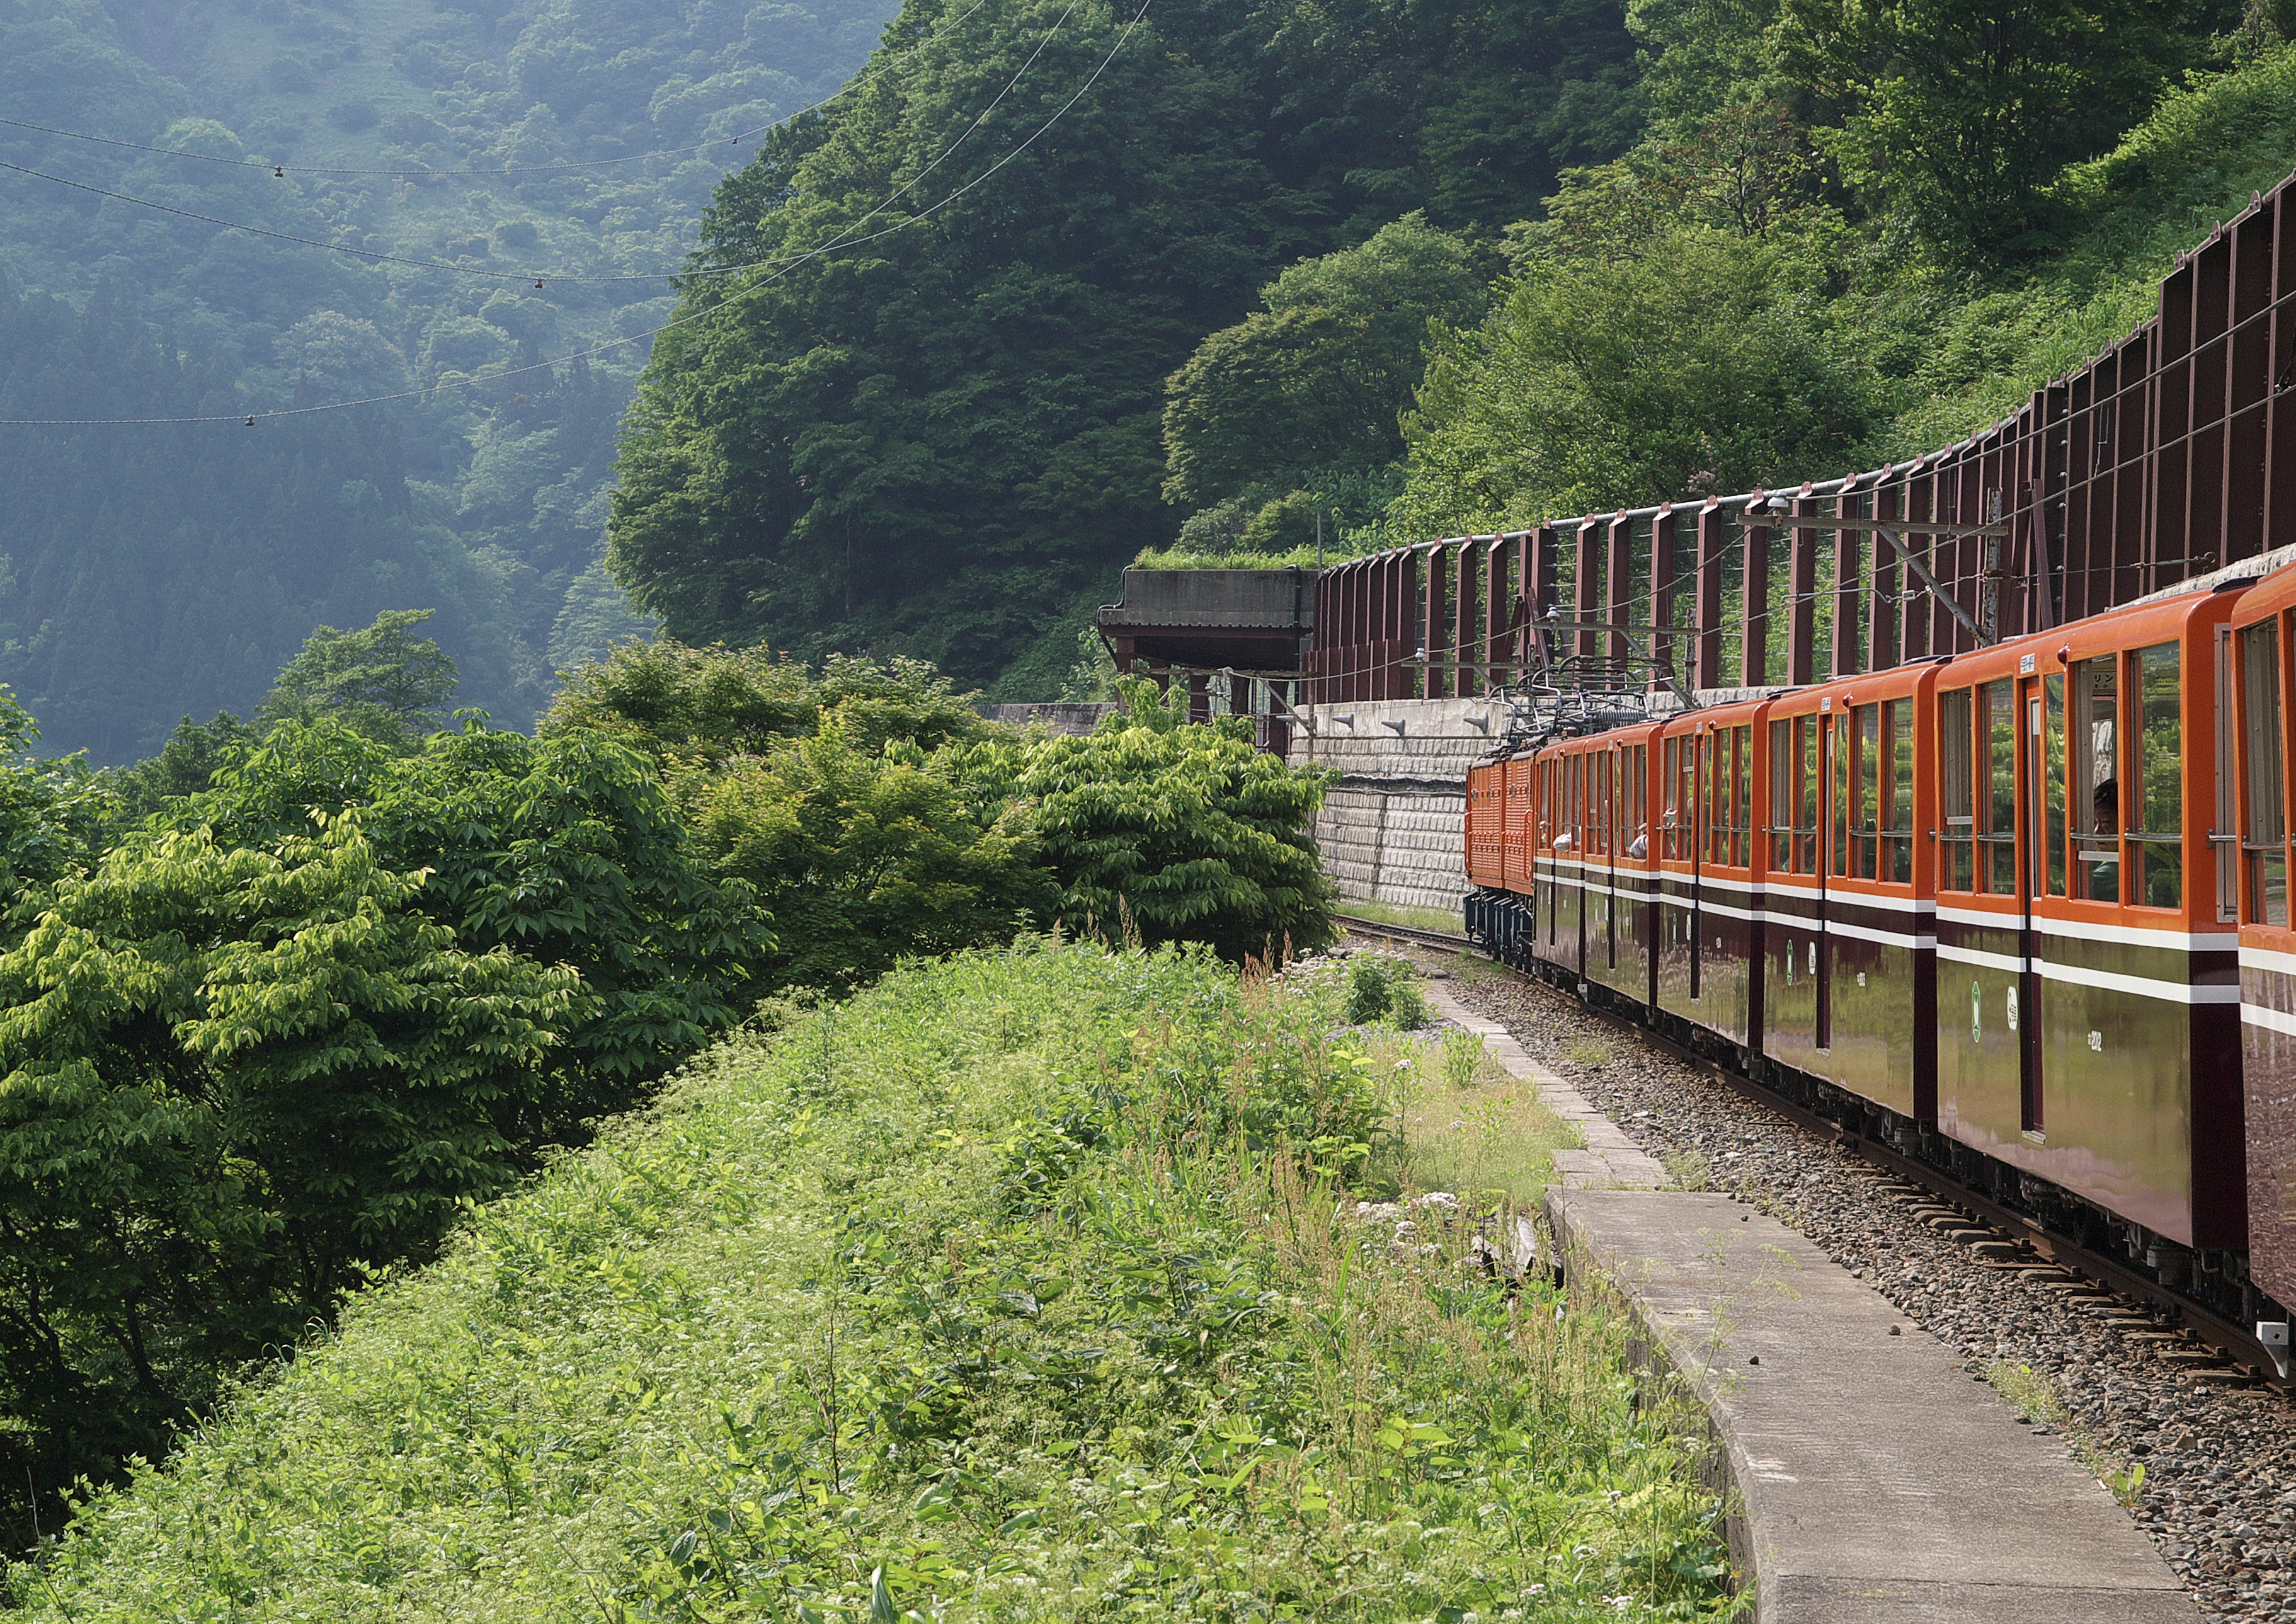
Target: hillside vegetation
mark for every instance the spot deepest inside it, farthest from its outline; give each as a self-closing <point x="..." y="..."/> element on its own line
<point x="279" y="1004"/>
<point x="147" y="572"/>
<point x="1023" y="1286"/>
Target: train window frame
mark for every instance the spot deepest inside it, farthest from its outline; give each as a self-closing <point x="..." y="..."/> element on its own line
<point x="1997" y="726"/>
<point x="2156" y="728"/>
<point x="1741" y="808"/>
<point x="2094" y="715"/>
<point x="2051" y="852"/>
<point x="2263" y="817"/>
<point x="1637" y="824"/>
<point x="1669" y="793"/>
<point x="1896" y="760"/>
<point x="1865" y="735"/>
<point x="1956" y="789"/>
<point x="1781" y="817"/>
<point x="1810" y="784"/>
<point x="1714" y="813"/>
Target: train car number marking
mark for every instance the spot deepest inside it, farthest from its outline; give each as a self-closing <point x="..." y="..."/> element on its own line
<point x="2096" y="1043"/>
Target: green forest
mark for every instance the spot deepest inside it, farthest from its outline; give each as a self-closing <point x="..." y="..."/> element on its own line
<point x="1052" y="287"/>
<point x="1412" y="271"/>
<point x="148" y="572"/>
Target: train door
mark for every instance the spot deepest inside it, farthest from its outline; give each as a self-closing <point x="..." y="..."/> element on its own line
<point x="1833" y="817"/>
<point x="1696" y="749"/>
<point x="2042" y="766"/>
<point x="2012" y="809"/>
<point x="1576" y="793"/>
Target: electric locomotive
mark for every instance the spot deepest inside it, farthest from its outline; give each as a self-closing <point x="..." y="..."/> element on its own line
<point x="2022" y="913"/>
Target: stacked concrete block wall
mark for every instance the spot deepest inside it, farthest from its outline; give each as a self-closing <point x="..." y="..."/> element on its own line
<point x="1392" y="828"/>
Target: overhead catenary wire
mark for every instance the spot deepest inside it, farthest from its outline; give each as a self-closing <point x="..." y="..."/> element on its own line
<point x="539" y="277"/>
<point x="251" y="419"/>
<point x="283" y="168"/>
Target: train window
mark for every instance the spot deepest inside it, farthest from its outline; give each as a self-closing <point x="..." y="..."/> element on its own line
<point x="1997" y="810"/>
<point x="1953" y="753"/>
<point x="1866" y="739"/>
<point x="1842" y="764"/>
<point x="2092" y="787"/>
<point x="1638" y="827"/>
<point x="1740" y="805"/>
<point x="1606" y="781"/>
<point x="1669" y="794"/>
<point x="2052" y="776"/>
<point x="1896" y="793"/>
<point x="2265" y="838"/>
<point x="1717" y="798"/>
<point x="1781" y="794"/>
<point x="1807" y="734"/>
<point x="2159" y="818"/>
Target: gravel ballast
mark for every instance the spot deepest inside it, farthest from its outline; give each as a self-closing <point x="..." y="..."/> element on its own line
<point x="2219" y="1490"/>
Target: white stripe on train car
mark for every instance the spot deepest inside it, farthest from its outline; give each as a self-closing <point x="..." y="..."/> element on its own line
<point x="2264" y="959"/>
<point x="1887" y="939"/>
<point x="2202" y="941"/>
<point x="1972" y="916"/>
<point x="1982" y="960"/>
<point x="2143" y="985"/>
<point x="2271" y="1019"/>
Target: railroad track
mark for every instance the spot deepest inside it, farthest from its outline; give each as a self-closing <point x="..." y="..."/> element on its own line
<point x="2228" y="1337"/>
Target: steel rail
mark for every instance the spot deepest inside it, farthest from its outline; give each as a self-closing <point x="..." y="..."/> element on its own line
<point x="2228" y="1337"/>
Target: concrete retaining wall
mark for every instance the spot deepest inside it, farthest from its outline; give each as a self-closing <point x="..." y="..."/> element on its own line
<point x="1393" y="828"/>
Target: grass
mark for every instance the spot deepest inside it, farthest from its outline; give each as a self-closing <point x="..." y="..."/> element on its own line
<point x="1463" y="1126"/>
<point x="1417" y="919"/>
<point x="1027" y="1286"/>
<point x="2036" y="1398"/>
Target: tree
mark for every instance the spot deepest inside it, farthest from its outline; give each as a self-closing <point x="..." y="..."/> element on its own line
<point x="1959" y="114"/>
<point x="383" y="682"/>
<point x="186" y="764"/>
<point x="1171" y="830"/>
<point x="567" y="851"/>
<point x="1318" y="380"/>
<point x="690" y="707"/>
<point x="1694" y="369"/>
<point x="231" y="1076"/>
<point x="864" y="855"/>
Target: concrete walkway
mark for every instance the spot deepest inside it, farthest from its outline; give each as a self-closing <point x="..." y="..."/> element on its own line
<point x="1874" y="1481"/>
<point x="1878" y="1484"/>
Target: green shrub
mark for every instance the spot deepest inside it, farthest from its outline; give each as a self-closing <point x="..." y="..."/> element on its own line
<point x="1385" y="990"/>
<point x="970" y="1299"/>
<point x="862" y="857"/>
<point x="1158" y="831"/>
<point x="229" y="1076"/>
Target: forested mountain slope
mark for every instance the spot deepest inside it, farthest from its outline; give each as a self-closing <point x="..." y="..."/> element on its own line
<point x="945" y="439"/>
<point x="148" y="572"/>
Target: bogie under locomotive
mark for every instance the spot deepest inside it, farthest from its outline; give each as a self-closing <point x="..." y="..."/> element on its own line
<point x="2023" y="913"/>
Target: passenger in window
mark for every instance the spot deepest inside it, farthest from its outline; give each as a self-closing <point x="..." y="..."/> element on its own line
<point x="1640" y="848"/>
<point x="2105" y="862"/>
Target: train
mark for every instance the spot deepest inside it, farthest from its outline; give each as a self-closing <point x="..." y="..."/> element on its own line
<point x="2022" y="913"/>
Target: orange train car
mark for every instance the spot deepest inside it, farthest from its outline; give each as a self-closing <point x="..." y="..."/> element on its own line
<point x="2023" y="913"/>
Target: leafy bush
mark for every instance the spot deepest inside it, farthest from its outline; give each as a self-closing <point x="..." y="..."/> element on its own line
<point x="565" y="849"/>
<point x="788" y="1347"/>
<point x="697" y="707"/>
<point x="861" y="857"/>
<point x="1384" y="990"/>
<point x="1162" y="831"/>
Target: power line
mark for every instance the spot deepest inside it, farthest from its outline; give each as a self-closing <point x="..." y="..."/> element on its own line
<point x="283" y="170"/>
<point x="251" y="419"/>
<point x="537" y="277"/>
